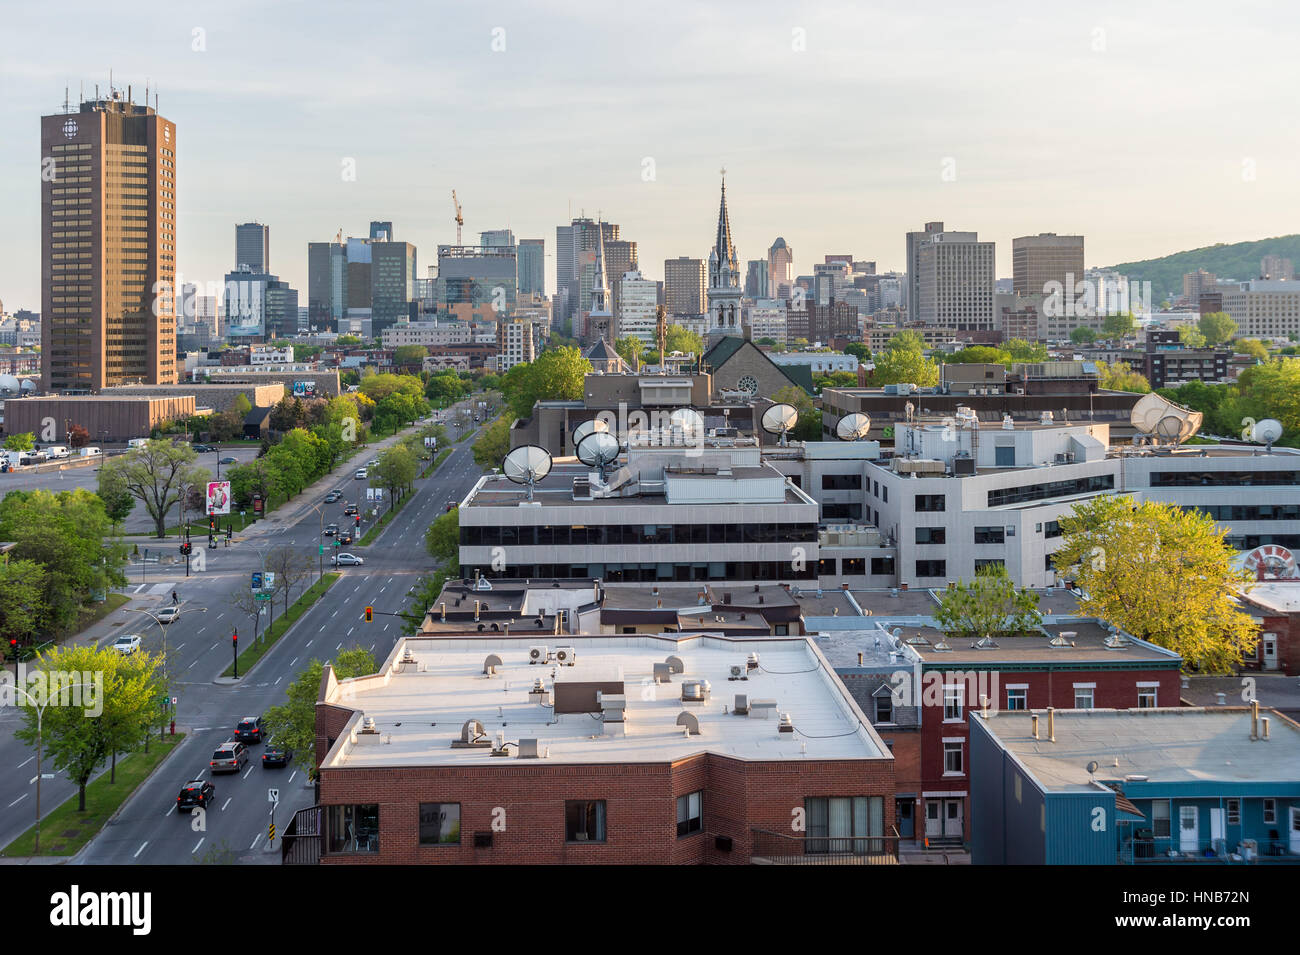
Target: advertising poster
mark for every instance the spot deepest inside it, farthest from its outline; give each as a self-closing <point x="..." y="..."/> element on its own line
<point x="218" y="497"/>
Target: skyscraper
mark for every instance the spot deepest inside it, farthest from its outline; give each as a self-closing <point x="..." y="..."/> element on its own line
<point x="108" y="192"/>
<point x="575" y="246"/>
<point x="684" y="288"/>
<point x="914" y="240"/>
<point x="724" y="276"/>
<point x="1039" y="260"/>
<point x="381" y="231"/>
<point x="530" y="256"/>
<point x="496" y="238"/>
<point x="956" y="281"/>
<point x="756" y="278"/>
<point x="392" y="284"/>
<point x="253" y="247"/>
<point x="638" y="302"/>
<point x="780" y="267"/>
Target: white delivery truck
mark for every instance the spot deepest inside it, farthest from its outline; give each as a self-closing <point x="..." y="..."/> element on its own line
<point x="137" y="442"/>
<point x="91" y="452"/>
<point x="56" y="451"/>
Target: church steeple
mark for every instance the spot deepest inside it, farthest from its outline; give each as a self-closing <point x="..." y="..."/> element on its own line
<point x="725" y="313"/>
<point x="723" y="248"/>
<point x="599" y="286"/>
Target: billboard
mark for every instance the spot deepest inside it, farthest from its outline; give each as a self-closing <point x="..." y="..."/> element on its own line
<point x="304" y="389"/>
<point x="218" y="497"/>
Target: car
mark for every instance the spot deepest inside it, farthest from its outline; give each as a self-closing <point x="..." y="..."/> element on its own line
<point x="197" y="792"/>
<point x="203" y="449"/>
<point x="230" y="460"/>
<point x="276" y="755"/>
<point x="361" y="474"/>
<point x="372" y="463"/>
<point x="249" y="730"/>
<point x="346" y="560"/>
<point x="127" y="643"/>
<point x="451" y="506"/>
<point x="332" y="496"/>
<point x="345" y="538"/>
<point x="229" y="757"/>
<point x="331" y="530"/>
<point x="167" y="614"/>
<point x="350" y="510"/>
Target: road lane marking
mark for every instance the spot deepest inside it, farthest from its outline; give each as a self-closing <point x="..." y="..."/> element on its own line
<point x="308" y="644"/>
<point x="138" y="851"/>
<point x="339" y="647"/>
<point x="17" y="801"/>
<point x="293" y="661"/>
<point x="294" y="776"/>
<point x="350" y="629"/>
<point x="26" y="761"/>
<point x="255" y="841"/>
<point x="372" y="646"/>
<point x="197" y="844"/>
<point x="170" y="811"/>
<point x="250" y="771"/>
<point x="277" y="681"/>
<point x="226" y="803"/>
<point x="322" y="628"/>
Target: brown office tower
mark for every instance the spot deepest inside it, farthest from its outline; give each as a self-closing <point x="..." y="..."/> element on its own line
<point x="108" y="246"/>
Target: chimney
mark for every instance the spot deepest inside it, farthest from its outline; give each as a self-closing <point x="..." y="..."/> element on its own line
<point x="984" y="706"/>
<point x="1254" y="719"/>
<point x="1051" y="724"/>
<point x="1264" y="723"/>
<point x="444" y="611"/>
<point x="859" y="658"/>
<point x="1034" y="720"/>
<point x="476" y="610"/>
<point x="844" y="587"/>
<point x="902" y="586"/>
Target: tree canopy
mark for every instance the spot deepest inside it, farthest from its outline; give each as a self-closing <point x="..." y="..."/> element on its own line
<point x="293" y="724"/>
<point x="1217" y="327"/>
<point x="903" y="360"/>
<point x="555" y="374"/>
<point x="1120" y="376"/>
<point x="989" y="605"/>
<point x="157" y="475"/>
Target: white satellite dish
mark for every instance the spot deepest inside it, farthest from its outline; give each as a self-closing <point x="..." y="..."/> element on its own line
<point x="9" y="385"/>
<point x="1267" y="431"/>
<point x="688" y="419"/>
<point x="853" y="427"/>
<point x="1161" y="418"/>
<point x="598" y="450"/>
<point x="526" y="464"/>
<point x="779" y="419"/>
<point x="588" y="428"/>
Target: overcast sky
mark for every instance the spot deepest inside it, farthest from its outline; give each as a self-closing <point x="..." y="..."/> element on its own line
<point x="1147" y="128"/>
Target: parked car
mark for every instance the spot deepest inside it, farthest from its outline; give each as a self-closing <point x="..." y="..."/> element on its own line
<point x="127" y="643"/>
<point x="276" y="755"/>
<point x="249" y="730"/>
<point x="451" y="506"/>
<point x="331" y="530"/>
<point x="346" y="560"/>
<point x="203" y="449"/>
<point x="229" y="758"/>
<point x="230" y="460"/>
<point x="197" y="792"/>
<point x="361" y="474"/>
<point x="168" y="614"/>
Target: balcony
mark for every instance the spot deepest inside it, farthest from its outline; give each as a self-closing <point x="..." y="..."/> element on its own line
<point x="1142" y="849"/>
<point x="776" y="848"/>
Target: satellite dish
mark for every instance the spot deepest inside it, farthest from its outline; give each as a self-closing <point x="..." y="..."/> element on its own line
<point x="853" y="427"/>
<point x="598" y="450"/>
<point x="29" y="384"/>
<point x="1161" y="418"/>
<point x="1092" y="767"/>
<point x="779" y="419"/>
<point x="9" y="385"/>
<point x="587" y="428"/>
<point x="526" y="464"/>
<point x="1265" y="432"/>
<point x="688" y="419"/>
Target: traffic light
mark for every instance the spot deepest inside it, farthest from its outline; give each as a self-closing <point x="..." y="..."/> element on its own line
<point x="234" y="639"/>
<point x="212" y="524"/>
<point x="230" y="530"/>
<point x="370" y="614"/>
<point x="357" y="518"/>
<point x="182" y="549"/>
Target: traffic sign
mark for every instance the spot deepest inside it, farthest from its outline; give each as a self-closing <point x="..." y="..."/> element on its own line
<point x="262" y="596"/>
<point x="173" y="701"/>
<point x="273" y="795"/>
<point x="257" y="580"/>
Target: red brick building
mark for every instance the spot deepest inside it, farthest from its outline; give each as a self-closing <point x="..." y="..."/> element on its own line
<point x="602" y="764"/>
<point x="1275" y="607"/>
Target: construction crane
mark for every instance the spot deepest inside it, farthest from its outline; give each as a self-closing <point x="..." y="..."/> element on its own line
<point x="460" y="219"/>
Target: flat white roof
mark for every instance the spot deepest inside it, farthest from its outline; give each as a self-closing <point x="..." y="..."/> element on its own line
<point x="419" y="709"/>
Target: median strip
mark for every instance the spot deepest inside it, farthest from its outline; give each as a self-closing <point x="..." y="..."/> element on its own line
<point x="267" y="638"/>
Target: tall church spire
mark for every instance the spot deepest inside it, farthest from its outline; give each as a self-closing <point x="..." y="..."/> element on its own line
<point x="725" y="313"/>
<point x="599" y="285"/>
<point x="723" y="247"/>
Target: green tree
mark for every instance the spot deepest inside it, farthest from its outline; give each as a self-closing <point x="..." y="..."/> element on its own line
<point x="347" y="340"/>
<point x="987" y="606"/>
<point x="1082" y="335"/>
<point x="556" y="374"/>
<point x="410" y="354"/>
<point x="980" y="355"/>
<point x="1253" y="347"/>
<point x="442" y="540"/>
<point x="859" y="351"/>
<point x="1021" y="350"/>
<point x="395" y="472"/>
<point x="241" y="406"/>
<point x="1118" y="325"/>
<point x="259" y="476"/>
<point x="1191" y="337"/>
<point x="809" y="426"/>
<point x="629" y="349"/>
<point x="493" y="444"/>
<point x="445" y="387"/>
<point x="118" y="500"/>
<point x="1120" y="376"/>
<point x="424" y="595"/>
<point x="293" y="724"/>
<point x="22" y="601"/>
<point x="1217" y="327"/>
<point x="133" y="691"/>
<point x="20" y="442"/>
<point x="903" y="360"/>
<point x="379" y="386"/>
<point x="156" y="475"/>
<point x="1162" y="574"/>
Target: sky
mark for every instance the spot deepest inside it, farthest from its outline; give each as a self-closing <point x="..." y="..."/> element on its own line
<point x="1147" y="128"/>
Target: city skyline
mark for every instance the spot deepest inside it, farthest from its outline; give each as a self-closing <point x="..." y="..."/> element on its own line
<point x="959" y="140"/>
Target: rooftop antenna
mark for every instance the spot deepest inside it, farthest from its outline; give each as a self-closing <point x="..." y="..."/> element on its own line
<point x="853" y="427"/>
<point x="526" y="464"/>
<point x="1266" y="432"/>
<point x="779" y="419"/>
<point x="588" y="428"/>
<point x="598" y="450"/>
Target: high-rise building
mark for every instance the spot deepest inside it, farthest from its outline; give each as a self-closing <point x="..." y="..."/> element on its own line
<point x="914" y="240"/>
<point x="381" y="231"/>
<point x="756" y="276"/>
<point x="327" y="284"/>
<point x="1194" y="283"/>
<point x="476" y="275"/>
<point x="530" y="259"/>
<point x="575" y="246"/>
<point x="956" y="273"/>
<point x="638" y="301"/>
<point x="253" y="246"/>
<point x="780" y="268"/>
<point x="108" y="246"/>
<point x="1039" y="261"/>
<point x="1276" y="268"/>
<point x="724" y="276"/>
<point x="495" y="238"/>
<point x="684" y="287"/>
<point x="259" y="306"/>
<point x="515" y="343"/>
<point x="392" y="284"/>
<point x="767" y="320"/>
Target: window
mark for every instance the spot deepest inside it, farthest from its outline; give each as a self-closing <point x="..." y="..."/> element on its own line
<point x="952" y="765"/>
<point x="990" y="535"/>
<point x="931" y="535"/>
<point x="1052" y="529"/>
<point x="845" y="824"/>
<point x="1083" y="697"/>
<point x="689" y="817"/>
<point x="931" y="568"/>
<point x="1270" y="811"/>
<point x="954" y="698"/>
<point x="1016" y="697"/>
<point x="439" y="823"/>
<point x="1004" y="457"/>
<point x="584" y="820"/>
<point x="1146" y="696"/>
<point x="841" y="482"/>
<point x="885" y="708"/>
<point x="1160" y="818"/>
<point x="354" y="828"/>
<point x="855" y="566"/>
<point x="882" y="566"/>
<point x="982" y="562"/>
<point x="930" y="502"/>
<point x="1234" y="812"/>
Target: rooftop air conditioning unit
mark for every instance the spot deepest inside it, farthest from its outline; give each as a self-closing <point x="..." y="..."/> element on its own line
<point x="566" y="656"/>
<point x="538" y="655"/>
<point x="786" y="724"/>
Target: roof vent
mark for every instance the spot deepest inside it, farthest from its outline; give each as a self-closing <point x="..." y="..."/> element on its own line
<point x="785" y="724"/>
<point x="491" y="663"/>
<point x="472" y="734"/>
<point x="662" y="673"/>
<point x="1063" y="639"/>
<point x="690" y="721"/>
<point x="369" y="725"/>
<point x="741" y="707"/>
<point x="984" y="643"/>
<point x="695" y="691"/>
<point x="1116" y="641"/>
<point x="752" y="662"/>
<point x="675" y="665"/>
<point x="528" y="749"/>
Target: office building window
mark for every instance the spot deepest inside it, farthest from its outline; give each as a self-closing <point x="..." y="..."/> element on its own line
<point x="439" y="823"/>
<point x="931" y="535"/>
<point x="931" y="568"/>
<point x="584" y="820"/>
<point x="931" y="502"/>
<point x="689" y="817"/>
<point x="882" y="566"/>
<point x="990" y="535"/>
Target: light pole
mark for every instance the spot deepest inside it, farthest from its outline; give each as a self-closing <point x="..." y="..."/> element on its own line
<point x="320" y="545"/>
<point x="40" y="751"/>
<point x="162" y="628"/>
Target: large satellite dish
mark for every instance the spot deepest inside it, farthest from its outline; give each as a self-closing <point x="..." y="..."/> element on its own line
<point x="598" y="450"/>
<point x="779" y="419"/>
<point x="1267" y="431"/>
<point x="688" y="419"/>
<point x="588" y="428"/>
<point x="526" y="464"/>
<point x="853" y="427"/>
<point x="9" y="385"/>
<point x="1161" y="418"/>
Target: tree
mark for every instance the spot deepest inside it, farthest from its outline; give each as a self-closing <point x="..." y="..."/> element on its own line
<point x="1191" y="336"/>
<point x="1118" y="325"/>
<point x="987" y="606"/>
<point x="809" y="426"/>
<point x="118" y="500"/>
<point x="241" y="406"/>
<point x="377" y="387"/>
<point x="156" y="475"/>
<point x="493" y="444"/>
<point x="20" y="442"/>
<point x="1082" y="335"/>
<point x="1253" y="347"/>
<point x="290" y="566"/>
<point x="78" y="436"/>
<point x="1021" y="350"/>
<point x="1120" y="376"/>
<point x="859" y="351"/>
<point x="395" y="472"/>
<point x="903" y="360"/>
<point x="445" y="387"/>
<point x="410" y="354"/>
<point x="1217" y="327"/>
<point x="1163" y="574"/>
<point x="979" y="355"/>
<point x="293" y="724"/>
<point x="259" y="476"/>
<point x="629" y="349"/>
<point x="133" y="691"/>
<point x="442" y="540"/>
<point x="347" y="340"/>
<point x="555" y="374"/>
<point x="22" y="601"/>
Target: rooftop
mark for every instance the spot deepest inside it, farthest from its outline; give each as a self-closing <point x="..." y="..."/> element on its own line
<point x="1276" y="690"/>
<point x="1164" y="744"/>
<point x="419" y="708"/>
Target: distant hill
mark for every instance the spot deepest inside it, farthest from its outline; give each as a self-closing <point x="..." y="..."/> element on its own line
<point x="1238" y="261"/>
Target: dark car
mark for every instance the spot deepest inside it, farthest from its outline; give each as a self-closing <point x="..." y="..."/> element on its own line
<point x="230" y="460"/>
<point x="229" y="758"/>
<point x="203" y="449"/>
<point x="345" y="538"/>
<point x="350" y="510"/>
<point x="276" y="755"/>
<point x="249" y="730"/>
<point x="331" y="530"/>
<point x="197" y="792"/>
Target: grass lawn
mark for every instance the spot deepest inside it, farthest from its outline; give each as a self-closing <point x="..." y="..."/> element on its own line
<point x="442" y="456"/>
<point x="99" y="611"/>
<point x="65" y="830"/>
<point x="266" y="638"/>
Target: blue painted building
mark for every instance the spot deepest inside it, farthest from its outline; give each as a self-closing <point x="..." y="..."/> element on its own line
<point x="1139" y="786"/>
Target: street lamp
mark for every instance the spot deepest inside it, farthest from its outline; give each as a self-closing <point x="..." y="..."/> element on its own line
<point x="162" y="628"/>
<point x="320" y="546"/>
<point x="40" y="750"/>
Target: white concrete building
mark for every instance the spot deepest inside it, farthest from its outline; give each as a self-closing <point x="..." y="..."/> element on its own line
<point x="766" y="319"/>
<point x="819" y="362"/>
<point x="638" y="299"/>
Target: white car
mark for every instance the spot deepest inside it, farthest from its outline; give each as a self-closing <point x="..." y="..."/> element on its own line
<point x="168" y="614"/>
<point x="361" y="474"/>
<point x="347" y="560"/>
<point x="127" y="643"/>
